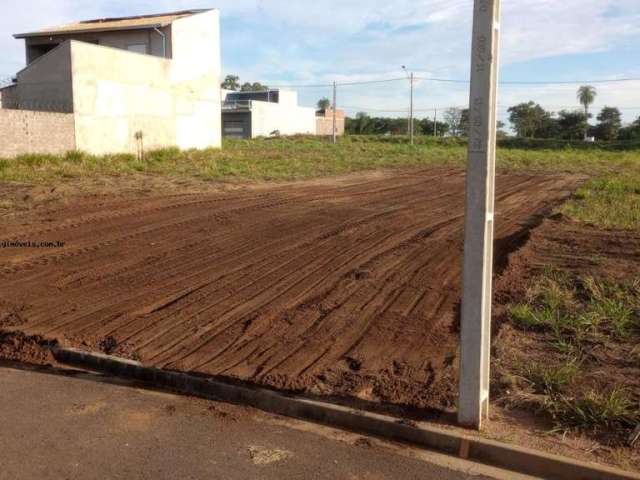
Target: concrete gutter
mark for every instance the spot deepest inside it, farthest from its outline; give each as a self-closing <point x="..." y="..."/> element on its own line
<point x="510" y="457"/>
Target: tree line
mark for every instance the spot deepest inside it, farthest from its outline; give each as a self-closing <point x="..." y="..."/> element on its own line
<point x="528" y="120"/>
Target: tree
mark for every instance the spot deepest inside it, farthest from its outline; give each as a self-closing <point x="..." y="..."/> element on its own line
<point x="324" y="103"/>
<point x="631" y="131"/>
<point x="464" y="122"/>
<point x="610" y="123"/>
<point x="253" y="87"/>
<point x="453" y="118"/>
<point x="231" y="82"/>
<point x="586" y="95"/>
<point x="529" y="119"/>
<point x="362" y="123"/>
<point x="425" y="127"/>
<point x="500" y="131"/>
<point x="572" y="125"/>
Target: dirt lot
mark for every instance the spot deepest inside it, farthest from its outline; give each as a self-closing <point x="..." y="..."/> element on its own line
<point x="345" y="286"/>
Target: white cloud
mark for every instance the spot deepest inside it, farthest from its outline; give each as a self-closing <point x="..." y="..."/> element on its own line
<point x="311" y="41"/>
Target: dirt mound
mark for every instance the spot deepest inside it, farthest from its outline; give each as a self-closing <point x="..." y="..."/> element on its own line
<point x="340" y="287"/>
<point x="19" y="347"/>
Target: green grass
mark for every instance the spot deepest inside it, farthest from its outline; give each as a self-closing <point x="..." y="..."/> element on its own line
<point x="597" y="412"/>
<point x="304" y="157"/>
<point x="550" y="379"/>
<point x="574" y="311"/>
<point x="610" y="201"/>
<point x="570" y="315"/>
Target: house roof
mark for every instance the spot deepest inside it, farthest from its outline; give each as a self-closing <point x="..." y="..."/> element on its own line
<point x="107" y="24"/>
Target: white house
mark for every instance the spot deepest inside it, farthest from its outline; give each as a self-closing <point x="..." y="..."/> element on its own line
<point x="260" y="114"/>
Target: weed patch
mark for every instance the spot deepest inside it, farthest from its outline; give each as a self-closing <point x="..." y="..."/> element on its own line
<point x="578" y="321"/>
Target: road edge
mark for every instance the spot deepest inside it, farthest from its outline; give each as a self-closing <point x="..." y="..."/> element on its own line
<point x="497" y="454"/>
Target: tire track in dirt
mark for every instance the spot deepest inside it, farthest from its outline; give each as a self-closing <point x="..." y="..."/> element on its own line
<point x="345" y="287"/>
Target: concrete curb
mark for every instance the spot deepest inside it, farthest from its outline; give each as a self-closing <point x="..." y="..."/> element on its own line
<point x="510" y="457"/>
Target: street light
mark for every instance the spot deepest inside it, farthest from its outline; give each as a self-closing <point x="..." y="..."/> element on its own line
<point x="410" y="126"/>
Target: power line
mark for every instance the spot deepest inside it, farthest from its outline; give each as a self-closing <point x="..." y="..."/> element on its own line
<point x="459" y="81"/>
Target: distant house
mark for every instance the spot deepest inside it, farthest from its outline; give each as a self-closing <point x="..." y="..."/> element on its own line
<point x="324" y="122"/>
<point x="123" y="83"/>
<point x="261" y="114"/>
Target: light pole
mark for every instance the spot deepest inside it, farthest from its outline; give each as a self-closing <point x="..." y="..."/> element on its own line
<point x="410" y="126"/>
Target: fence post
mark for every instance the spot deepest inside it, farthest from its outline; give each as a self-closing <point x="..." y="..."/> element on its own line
<point x="475" y="334"/>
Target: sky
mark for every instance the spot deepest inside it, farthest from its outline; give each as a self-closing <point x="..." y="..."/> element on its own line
<point x="310" y="42"/>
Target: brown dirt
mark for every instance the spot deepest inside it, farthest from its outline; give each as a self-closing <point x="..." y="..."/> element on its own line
<point x="345" y="286"/>
<point x="17" y="346"/>
<point x="580" y="251"/>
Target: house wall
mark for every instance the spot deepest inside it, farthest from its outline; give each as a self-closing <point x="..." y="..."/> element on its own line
<point x="118" y="93"/>
<point x="46" y="85"/>
<point x="172" y="102"/>
<point x="195" y="75"/>
<point x="287" y="119"/>
<point x="114" y="93"/>
<point x="116" y="39"/>
<point x="35" y="132"/>
<point x="324" y="123"/>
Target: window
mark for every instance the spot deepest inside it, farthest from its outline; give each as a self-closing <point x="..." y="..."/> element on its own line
<point x="137" y="47"/>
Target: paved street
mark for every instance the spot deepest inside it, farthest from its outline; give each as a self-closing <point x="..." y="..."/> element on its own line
<point x="83" y="426"/>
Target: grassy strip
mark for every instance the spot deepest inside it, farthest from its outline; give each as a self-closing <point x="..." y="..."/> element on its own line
<point x="610" y="201"/>
<point x="304" y="157"/>
<point x="571" y="316"/>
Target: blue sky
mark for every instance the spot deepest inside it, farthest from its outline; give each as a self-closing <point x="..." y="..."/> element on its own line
<point x="283" y="42"/>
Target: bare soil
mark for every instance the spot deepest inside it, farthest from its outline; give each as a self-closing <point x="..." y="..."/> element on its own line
<point x="346" y="287"/>
<point x="581" y="251"/>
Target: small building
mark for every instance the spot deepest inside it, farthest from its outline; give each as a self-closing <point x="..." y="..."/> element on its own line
<point x="324" y="122"/>
<point x="149" y="80"/>
<point x="265" y="113"/>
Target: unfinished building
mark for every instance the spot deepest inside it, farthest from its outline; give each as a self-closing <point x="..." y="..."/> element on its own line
<point x="122" y="82"/>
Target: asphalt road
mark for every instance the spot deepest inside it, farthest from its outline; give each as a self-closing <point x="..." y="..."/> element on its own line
<point x="84" y="426"/>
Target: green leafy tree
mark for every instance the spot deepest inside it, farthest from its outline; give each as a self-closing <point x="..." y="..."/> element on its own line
<point x="631" y="131"/>
<point x="500" y="131"/>
<point x="529" y="120"/>
<point x="609" y="123"/>
<point x="363" y="123"/>
<point x="586" y="96"/>
<point x="231" y="82"/>
<point x="425" y="127"/>
<point x="324" y="104"/>
<point x="465" y="122"/>
<point x="572" y="124"/>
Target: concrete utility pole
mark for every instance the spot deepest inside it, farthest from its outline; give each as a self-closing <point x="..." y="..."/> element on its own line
<point x="435" y="122"/>
<point x="411" y="111"/>
<point x="410" y="120"/>
<point x="475" y="334"/>
<point x="334" y="113"/>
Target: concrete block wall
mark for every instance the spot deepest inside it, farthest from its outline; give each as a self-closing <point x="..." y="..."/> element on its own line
<point x="23" y="131"/>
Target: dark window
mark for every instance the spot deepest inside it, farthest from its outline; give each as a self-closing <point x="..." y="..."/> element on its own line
<point x="36" y="51"/>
